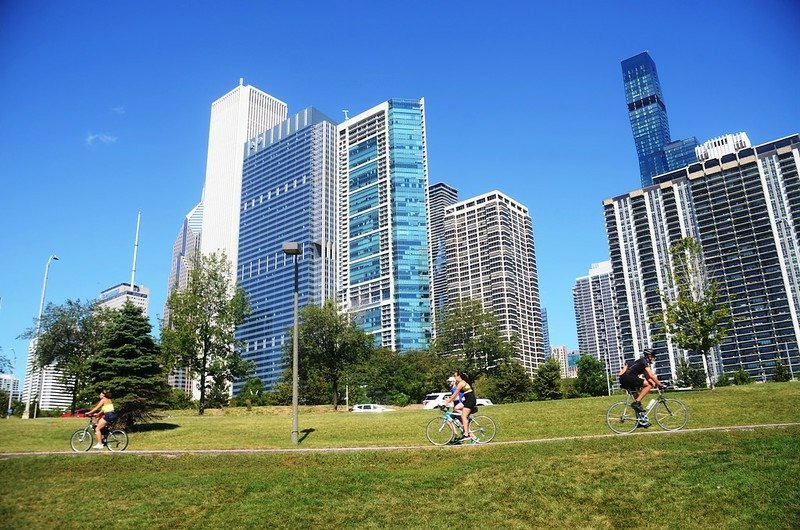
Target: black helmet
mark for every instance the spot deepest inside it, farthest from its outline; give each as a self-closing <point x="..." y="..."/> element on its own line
<point x="647" y="352"/>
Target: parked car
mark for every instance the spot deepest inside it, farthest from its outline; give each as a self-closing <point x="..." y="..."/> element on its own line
<point x="369" y="407"/>
<point x="484" y="402"/>
<point x="434" y="400"/>
<point x="79" y="413"/>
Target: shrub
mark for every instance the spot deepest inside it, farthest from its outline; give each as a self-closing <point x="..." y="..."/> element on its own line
<point x="740" y="377"/>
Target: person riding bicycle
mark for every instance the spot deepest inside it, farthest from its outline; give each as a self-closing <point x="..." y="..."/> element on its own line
<point x="107" y="415"/>
<point x="639" y="375"/>
<point x="451" y="382"/>
<point x="468" y="402"/>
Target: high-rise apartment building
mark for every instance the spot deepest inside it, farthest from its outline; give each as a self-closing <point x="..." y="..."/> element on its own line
<point x="648" y="115"/>
<point x="384" y="255"/>
<point x="236" y="117"/>
<point x="186" y="247"/>
<point x="568" y="360"/>
<point x="491" y="258"/>
<point x="54" y="394"/>
<point x="288" y="195"/>
<point x="742" y="204"/>
<point x="593" y="297"/>
<point x="115" y="297"/>
<point x="9" y="383"/>
<point x="545" y="332"/>
<point x="441" y="196"/>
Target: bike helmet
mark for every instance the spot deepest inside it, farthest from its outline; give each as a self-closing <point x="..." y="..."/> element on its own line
<point x="647" y="352"/>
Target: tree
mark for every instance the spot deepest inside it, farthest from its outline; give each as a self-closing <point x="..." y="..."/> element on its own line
<point x="202" y="321"/>
<point x="690" y="375"/>
<point x="741" y="377"/>
<point x="68" y="336"/>
<point x="510" y="383"/>
<point x="472" y="334"/>
<point x="724" y="379"/>
<point x="592" y="379"/>
<point x="5" y="363"/>
<point x="547" y="383"/>
<point x="329" y="343"/>
<point x="781" y="373"/>
<point x="128" y="364"/>
<point x="692" y="317"/>
<point x="251" y="393"/>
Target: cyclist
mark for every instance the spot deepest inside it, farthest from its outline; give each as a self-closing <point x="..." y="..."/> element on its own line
<point x="639" y="375"/>
<point x="453" y="387"/>
<point x="107" y="415"/>
<point x="468" y="402"/>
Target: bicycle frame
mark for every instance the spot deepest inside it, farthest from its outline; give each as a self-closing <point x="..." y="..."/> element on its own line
<point x="646" y="414"/>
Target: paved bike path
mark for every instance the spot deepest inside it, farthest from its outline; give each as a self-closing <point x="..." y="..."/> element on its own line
<point x="296" y="450"/>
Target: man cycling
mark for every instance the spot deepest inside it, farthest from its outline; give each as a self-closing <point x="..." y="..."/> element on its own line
<point x="639" y="374"/>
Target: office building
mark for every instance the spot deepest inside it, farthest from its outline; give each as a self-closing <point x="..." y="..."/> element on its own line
<point x="593" y="298"/>
<point x="568" y="360"/>
<point x="384" y="255"/>
<point x="648" y="116"/>
<point x="545" y="333"/>
<point x="288" y="195"/>
<point x="491" y="258"/>
<point x="186" y="247"/>
<point x="115" y="297"/>
<point x="441" y="195"/>
<point x="236" y="117"/>
<point x="9" y="383"/>
<point x="47" y="381"/>
<point x="742" y="204"/>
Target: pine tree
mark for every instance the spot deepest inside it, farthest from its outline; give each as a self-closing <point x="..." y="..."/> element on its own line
<point x="128" y="364"/>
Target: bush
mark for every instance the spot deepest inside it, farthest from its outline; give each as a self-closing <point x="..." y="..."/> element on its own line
<point x="781" y="374"/>
<point x="569" y="389"/>
<point x="724" y="380"/>
<point x="740" y="377"/>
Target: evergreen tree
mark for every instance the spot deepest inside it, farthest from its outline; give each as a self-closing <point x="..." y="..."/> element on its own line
<point x="741" y="377"/>
<point x="781" y="373"/>
<point x="128" y="364"/>
<point x="547" y="383"/>
<point x="592" y="380"/>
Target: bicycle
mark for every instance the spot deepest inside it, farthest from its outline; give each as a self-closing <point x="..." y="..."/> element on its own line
<point x="442" y="430"/>
<point x="670" y="414"/>
<point x="113" y="438"/>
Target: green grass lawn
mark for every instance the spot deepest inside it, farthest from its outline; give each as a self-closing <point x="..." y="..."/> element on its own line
<point x="727" y="479"/>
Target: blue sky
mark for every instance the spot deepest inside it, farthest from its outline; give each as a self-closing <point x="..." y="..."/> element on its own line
<point x="106" y="110"/>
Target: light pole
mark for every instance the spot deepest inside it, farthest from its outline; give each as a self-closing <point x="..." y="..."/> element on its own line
<point x="293" y="249"/>
<point x="11" y="383"/>
<point x="26" y="414"/>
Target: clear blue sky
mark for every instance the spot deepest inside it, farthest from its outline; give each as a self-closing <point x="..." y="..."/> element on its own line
<point x="105" y="111"/>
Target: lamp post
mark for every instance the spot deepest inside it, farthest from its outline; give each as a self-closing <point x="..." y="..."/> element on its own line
<point x="26" y="414"/>
<point x="293" y="249"/>
<point x="11" y="383"/>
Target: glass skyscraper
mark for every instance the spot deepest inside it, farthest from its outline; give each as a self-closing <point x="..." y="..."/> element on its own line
<point x="649" y="123"/>
<point x="288" y="194"/>
<point x="385" y="262"/>
<point x="441" y="195"/>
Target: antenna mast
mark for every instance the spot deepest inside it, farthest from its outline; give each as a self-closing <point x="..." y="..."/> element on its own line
<point x="135" y="248"/>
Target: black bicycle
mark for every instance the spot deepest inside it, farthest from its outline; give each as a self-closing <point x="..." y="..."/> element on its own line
<point x="670" y="414"/>
<point x="113" y="438"/>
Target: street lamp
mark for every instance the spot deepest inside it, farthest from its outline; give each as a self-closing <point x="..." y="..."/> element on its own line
<point x="26" y="414"/>
<point x="11" y="382"/>
<point x="293" y="249"/>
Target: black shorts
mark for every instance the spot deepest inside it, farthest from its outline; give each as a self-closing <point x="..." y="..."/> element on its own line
<point x="110" y="417"/>
<point x="631" y="382"/>
<point x="470" y="401"/>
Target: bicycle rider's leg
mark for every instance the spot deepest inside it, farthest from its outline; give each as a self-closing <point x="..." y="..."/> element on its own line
<point x="99" y="429"/>
<point x="646" y="388"/>
<point x="465" y="412"/>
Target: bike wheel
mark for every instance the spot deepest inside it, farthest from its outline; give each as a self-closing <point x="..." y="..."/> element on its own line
<point x="671" y="414"/>
<point x="117" y="440"/>
<point x="621" y="418"/>
<point x="438" y="432"/>
<point x="81" y="440"/>
<point x="484" y="428"/>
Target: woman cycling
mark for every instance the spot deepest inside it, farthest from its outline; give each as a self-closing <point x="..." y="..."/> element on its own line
<point x="106" y="408"/>
<point x="464" y="386"/>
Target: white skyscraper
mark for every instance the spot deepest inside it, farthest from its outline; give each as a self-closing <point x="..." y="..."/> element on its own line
<point x="491" y="258"/>
<point x="115" y="297"/>
<point x="239" y="115"/>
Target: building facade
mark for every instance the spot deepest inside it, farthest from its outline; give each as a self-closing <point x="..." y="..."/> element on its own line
<point x="742" y="204"/>
<point x="236" y="117"/>
<point x="441" y="196"/>
<point x="568" y="360"/>
<point x="593" y="298"/>
<point x="545" y="332"/>
<point x="288" y="195"/>
<point x="384" y="255"/>
<point x="115" y="297"/>
<point x="45" y="381"/>
<point x="491" y="258"/>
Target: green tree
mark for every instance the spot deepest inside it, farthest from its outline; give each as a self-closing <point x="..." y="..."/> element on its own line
<point x="741" y="377"/>
<point x="69" y="335"/>
<point x="781" y="373"/>
<point x="547" y="382"/>
<point x="510" y="383"/>
<point x="128" y="364"/>
<point x="199" y="331"/>
<point x="179" y="400"/>
<point x="569" y="389"/>
<point x="724" y="379"/>
<point x="690" y="375"/>
<point x="471" y="333"/>
<point x="5" y="363"/>
<point x="693" y="317"/>
<point x="592" y="380"/>
<point x="329" y="344"/>
<point x="252" y="392"/>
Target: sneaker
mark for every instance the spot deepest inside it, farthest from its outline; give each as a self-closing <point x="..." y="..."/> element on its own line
<point x="99" y="446"/>
<point x="637" y="406"/>
<point x="454" y="441"/>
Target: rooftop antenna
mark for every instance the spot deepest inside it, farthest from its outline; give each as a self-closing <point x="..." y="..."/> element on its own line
<point x="345" y="114"/>
<point x="241" y="81"/>
<point x="135" y="248"/>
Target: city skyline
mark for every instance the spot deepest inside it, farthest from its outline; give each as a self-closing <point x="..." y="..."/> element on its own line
<point x="113" y="124"/>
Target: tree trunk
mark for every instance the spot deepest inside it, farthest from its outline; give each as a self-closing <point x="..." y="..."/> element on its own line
<point x="335" y="384"/>
<point x="201" y="406"/>
<point x="708" y="365"/>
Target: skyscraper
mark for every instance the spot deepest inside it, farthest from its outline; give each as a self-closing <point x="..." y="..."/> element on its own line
<point x="115" y="297"/>
<point x="384" y="254"/>
<point x="545" y="332"/>
<point x="648" y="115"/>
<point x="593" y="297"/>
<point x="441" y="195"/>
<point x="742" y="204"/>
<point x="288" y="195"/>
<point x="239" y="115"/>
<point x="491" y="258"/>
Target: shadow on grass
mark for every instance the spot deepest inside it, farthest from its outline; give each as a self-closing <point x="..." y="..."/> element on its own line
<point x="157" y="426"/>
<point x="304" y="434"/>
